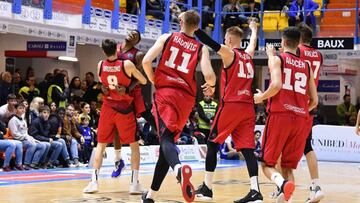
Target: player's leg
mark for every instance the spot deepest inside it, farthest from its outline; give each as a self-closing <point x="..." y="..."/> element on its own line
<point x="119" y="163"/>
<point x="243" y="137"/>
<point x="272" y="145"/>
<point x="316" y="193"/>
<point x="105" y="135"/>
<point x="135" y="186"/>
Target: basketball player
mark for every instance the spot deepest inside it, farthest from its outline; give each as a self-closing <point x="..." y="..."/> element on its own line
<point x="127" y="51"/>
<point x="117" y="112"/>
<point x="292" y="94"/>
<point x="236" y="115"/>
<point x="315" y="60"/>
<point x="174" y="98"/>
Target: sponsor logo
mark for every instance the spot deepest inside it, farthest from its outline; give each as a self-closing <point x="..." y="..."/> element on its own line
<point x="330" y="44"/>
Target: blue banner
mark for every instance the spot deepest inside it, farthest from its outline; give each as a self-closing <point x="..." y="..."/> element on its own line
<point x="45" y="46"/>
<point x="329" y="86"/>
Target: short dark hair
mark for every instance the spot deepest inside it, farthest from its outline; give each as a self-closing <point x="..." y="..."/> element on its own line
<point x="346" y="95"/>
<point x="292" y="36"/>
<point x="19" y="105"/>
<point x="11" y="96"/>
<point x="306" y="32"/>
<point x="109" y="47"/>
<point x="90" y="73"/>
<point x="235" y="30"/>
<point x="191" y="18"/>
<point x="44" y="108"/>
<point x="61" y="110"/>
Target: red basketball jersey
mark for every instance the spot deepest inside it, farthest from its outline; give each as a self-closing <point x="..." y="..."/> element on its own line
<point x="236" y="80"/>
<point x="293" y="96"/>
<point x="178" y="63"/>
<point x="313" y="57"/>
<point x="112" y="74"/>
<point x="128" y="55"/>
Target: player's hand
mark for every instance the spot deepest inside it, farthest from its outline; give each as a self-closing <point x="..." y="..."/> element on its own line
<point x="357" y="130"/>
<point x="207" y="89"/>
<point x="121" y="90"/>
<point x="270" y="50"/>
<point x="258" y="97"/>
<point x="253" y="25"/>
<point x="104" y="90"/>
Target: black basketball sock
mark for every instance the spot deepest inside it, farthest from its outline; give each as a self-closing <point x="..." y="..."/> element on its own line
<point x="211" y="160"/>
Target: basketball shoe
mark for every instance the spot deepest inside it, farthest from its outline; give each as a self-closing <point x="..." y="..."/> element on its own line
<point x="183" y="177"/>
<point x="253" y="196"/>
<point x="204" y="193"/>
<point x="119" y="167"/>
<point x="315" y="194"/>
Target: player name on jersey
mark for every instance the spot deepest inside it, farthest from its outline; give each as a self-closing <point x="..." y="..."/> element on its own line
<point x="187" y="45"/>
<point x="111" y="68"/>
<point x="294" y="62"/>
<point x="244" y="56"/>
<point x="313" y="53"/>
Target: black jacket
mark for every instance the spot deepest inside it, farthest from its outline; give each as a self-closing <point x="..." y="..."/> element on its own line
<point x="40" y="130"/>
<point x="55" y="122"/>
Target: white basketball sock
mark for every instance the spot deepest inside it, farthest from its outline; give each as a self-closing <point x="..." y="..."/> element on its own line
<point x="278" y="179"/>
<point x="254" y="184"/>
<point x="209" y="179"/>
<point x="117" y="155"/>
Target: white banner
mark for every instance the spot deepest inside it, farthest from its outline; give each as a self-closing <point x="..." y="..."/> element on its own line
<point x="33" y="15"/>
<point x="336" y="143"/>
<point x="5" y="9"/>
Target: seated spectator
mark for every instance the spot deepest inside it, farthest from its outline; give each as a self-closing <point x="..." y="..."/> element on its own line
<point x="29" y="92"/>
<point x="260" y="114"/>
<point x="10" y="147"/>
<point x="186" y="135"/>
<point x="233" y="19"/>
<point x="40" y="130"/>
<point x="345" y="110"/>
<point x="296" y="16"/>
<point x="58" y="91"/>
<point x="17" y="81"/>
<point x="85" y="111"/>
<point x="34" y="149"/>
<point x="155" y="8"/>
<point x="175" y="12"/>
<point x="93" y="88"/>
<point x="53" y="108"/>
<point x="207" y="109"/>
<point x="71" y="134"/>
<point x="94" y="114"/>
<point x="45" y="84"/>
<point x="89" y="138"/>
<point x="75" y="89"/>
<point x="56" y="121"/>
<point x="257" y="150"/>
<point x="228" y="152"/>
<point x="35" y="105"/>
<point x="5" y="87"/>
<point x="8" y="110"/>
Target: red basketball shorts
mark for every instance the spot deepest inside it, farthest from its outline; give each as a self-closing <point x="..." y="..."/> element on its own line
<point x="284" y="135"/>
<point x="237" y="120"/>
<point x="139" y="104"/>
<point x="111" y="121"/>
<point x="172" y="108"/>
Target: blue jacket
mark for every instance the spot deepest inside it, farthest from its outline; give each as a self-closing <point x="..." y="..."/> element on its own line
<point x="307" y="4"/>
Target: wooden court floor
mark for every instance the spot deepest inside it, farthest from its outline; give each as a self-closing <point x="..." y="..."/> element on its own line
<point x="340" y="182"/>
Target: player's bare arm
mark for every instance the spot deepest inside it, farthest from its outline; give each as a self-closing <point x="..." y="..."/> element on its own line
<point x="104" y="90"/>
<point x="276" y="82"/>
<point x="357" y="126"/>
<point x="150" y="56"/>
<point x="253" y="39"/>
<point x="226" y="53"/>
<point x="208" y="72"/>
<point x="139" y="57"/>
<point x="131" y="70"/>
<point x="312" y="92"/>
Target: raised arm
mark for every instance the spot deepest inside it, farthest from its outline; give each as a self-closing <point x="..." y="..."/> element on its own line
<point x="153" y="52"/>
<point x="253" y="39"/>
<point x="226" y="53"/>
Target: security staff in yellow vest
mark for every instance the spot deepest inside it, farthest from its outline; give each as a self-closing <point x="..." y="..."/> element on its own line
<point x="30" y="91"/>
<point x="206" y="109"/>
<point x="58" y="91"/>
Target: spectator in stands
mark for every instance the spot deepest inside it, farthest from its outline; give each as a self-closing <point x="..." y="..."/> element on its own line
<point x="207" y="109"/>
<point x="186" y="136"/>
<point x="234" y="19"/>
<point x="30" y="72"/>
<point x="345" y="110"/>
<point x="45" y="84"/>
<point x="89" y="137"/>
<point x="155" y="8"/>
<point x="75" y="88"/>
<point x="260" y="113"/>
<point x="56" y="71"/>
<point x="66" y="73"/>
<point x="10" y="147"/>
<point x="85" y="111"/>
<point x="58" y="91"/>
<point x="257" y="150"/>
<point x="71" y="134"/>
<point x="53" y="108"/>
<point x="8" y="110"/>
<point x="175" y="11"/>
<point x="29" y="91"/>
<point x="94" y="114"/>
<point x="5" y="87"/>
<point x="35" y="105"/>
<point x="34" y="149"/>
<point x="296" y="13"/>
<point x="40" y="130"/>
<point x="26" y="115"/>
<point x="17" y="81"/>
<point x="93" y="89"/>
<point x="228" y="152"/>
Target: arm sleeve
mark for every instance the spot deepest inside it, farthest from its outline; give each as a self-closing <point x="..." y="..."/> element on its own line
<point x="205" y="39"/>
